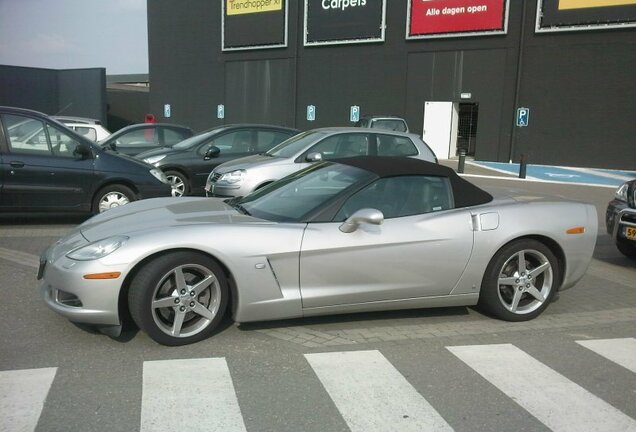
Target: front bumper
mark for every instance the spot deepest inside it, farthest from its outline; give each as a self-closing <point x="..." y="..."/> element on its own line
<point x="617" y="218"/>
<point x="65" y="290"/>
<point x="155" y="191"/>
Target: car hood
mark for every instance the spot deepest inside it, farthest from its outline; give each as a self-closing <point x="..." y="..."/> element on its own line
<point x="161" y="213"/>
<point x="248" y="162"/>
<point x="107" y="155"/>
<point x="157" y="151"/>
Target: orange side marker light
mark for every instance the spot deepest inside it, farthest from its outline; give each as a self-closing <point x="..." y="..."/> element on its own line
<point x="110" y="275"/>
<point x="576" y="230"/>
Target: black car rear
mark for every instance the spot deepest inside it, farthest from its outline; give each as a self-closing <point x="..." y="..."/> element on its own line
<point x="620" y="218"/>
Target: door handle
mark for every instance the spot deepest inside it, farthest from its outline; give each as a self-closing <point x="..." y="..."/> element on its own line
<point x="16" y="164"/>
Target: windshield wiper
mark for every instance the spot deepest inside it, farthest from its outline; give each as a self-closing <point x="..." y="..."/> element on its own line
<point x="241" y="209"/>
<point x="234" y="203"/>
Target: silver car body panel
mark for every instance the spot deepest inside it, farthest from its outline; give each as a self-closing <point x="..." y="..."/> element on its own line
<point x="261" y="169"/>
<point x="287" y="270"/>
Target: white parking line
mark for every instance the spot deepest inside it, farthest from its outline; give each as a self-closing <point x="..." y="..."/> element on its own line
<point x="372" y="395"/>
<point x="22" y="396"/>
<point x="621" y="351"/>
<point x="556" y="401"/>
<point x="19" y="257"/>
<point x="191" y="394"/>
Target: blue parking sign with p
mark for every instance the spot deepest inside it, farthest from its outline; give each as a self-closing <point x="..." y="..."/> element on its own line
<point x="523" y="115"/>
<point x="311" y="113"/>
<point x="220" y="111"/>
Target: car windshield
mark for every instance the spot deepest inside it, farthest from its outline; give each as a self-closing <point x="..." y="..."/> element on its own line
<point x="295" y="144"/>
<point x="294" y="197"/>
<point x="195" y="140"/>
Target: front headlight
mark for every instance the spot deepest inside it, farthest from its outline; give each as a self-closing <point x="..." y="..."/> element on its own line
<point x="98" y="249"/>
<point x="159" y="175"/>
<point x="154" y="159"/>
<point x="621" y="192"/>
<point x="233" y="177"/>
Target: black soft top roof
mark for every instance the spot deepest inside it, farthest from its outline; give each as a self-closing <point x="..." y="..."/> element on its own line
<point x="465" y="193"/>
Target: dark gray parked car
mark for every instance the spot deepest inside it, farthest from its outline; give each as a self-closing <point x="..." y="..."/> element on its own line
<point x="46" y="167"/>
<point x="188" y="163"/>
<point x="138" y="138"/>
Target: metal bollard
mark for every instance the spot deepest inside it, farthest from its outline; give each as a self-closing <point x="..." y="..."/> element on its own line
<point x="462" y="160"/>
<point x="523" y="165"/>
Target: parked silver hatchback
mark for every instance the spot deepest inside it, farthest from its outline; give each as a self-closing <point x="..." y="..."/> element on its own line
<point x="241" y="176"/>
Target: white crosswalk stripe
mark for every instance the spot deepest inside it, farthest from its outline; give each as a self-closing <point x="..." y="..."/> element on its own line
<point x="556" y="401"/>
<point x="22" y="396"/>
<point x="372" y="395"/>
<point x="192" y="394"/>
<point x="621" y="351"/>
<point x="366" y="389"/>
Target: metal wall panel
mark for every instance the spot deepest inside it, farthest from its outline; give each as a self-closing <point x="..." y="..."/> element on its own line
<point x="260" y="91"/>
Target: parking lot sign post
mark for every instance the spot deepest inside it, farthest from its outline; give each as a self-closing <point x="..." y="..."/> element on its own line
<point x="311" y="113"/>
<point x="354" y="114"/>
<point x="523" y="115"/>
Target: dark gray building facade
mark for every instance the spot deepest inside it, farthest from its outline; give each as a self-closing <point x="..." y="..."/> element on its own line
<point x="70" y="92"/>
<point x="570" y="65"/>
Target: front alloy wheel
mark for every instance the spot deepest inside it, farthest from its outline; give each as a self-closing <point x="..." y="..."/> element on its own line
<point x="520" y="281"/>
<point x="179" y="298"/>
<point x="178" y="182"/>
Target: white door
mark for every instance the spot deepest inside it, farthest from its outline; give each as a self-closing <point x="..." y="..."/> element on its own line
<point x="440" y="128"/>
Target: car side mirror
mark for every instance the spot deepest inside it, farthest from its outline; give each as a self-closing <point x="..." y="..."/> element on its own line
<point x="212" y="152"/>
<point x="314" y="157"/>
<point x="363" y="216"/>
<point x="82" y="151"/>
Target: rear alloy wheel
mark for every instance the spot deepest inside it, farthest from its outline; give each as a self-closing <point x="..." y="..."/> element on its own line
<point x="520" y="281"/>
<point x="179" y="183"/>
<point x="179" y="298"/>
<point x="112" y="196"/>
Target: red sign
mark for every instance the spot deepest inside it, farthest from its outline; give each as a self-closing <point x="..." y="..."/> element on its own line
<point x="433" y="17"/>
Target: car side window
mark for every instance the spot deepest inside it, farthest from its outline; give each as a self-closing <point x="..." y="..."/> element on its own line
<point x="391" y="145"/>
<point x="87" y="132"/>
<point x="343" y="145"/>
<point x="62" y="144"/>
<point x="266" y="140"/>
<point x="139" y="137"/>
<point x="401" y="196"/>
<point x="26" y="135"/>
<point x="235" y="142"/>
<point x="173" y="136"/>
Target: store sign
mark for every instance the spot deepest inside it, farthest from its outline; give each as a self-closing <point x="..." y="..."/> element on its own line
<point x="329" y="22"/>
<point x="569" y="15"/>
<point x="443" y="18"/>
<point x="253" y="24"/>
<point x="238" y="7"/>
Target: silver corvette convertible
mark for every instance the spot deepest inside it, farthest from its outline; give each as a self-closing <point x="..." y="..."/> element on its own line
<point x="363" y="234"/>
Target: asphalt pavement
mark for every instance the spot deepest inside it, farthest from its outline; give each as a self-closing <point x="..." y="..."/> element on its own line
<point x="573" y="368"/>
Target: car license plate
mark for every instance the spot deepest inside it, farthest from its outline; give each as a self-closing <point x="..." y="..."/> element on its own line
<point x="630" y="233"/>
<point x="41" y="268"/>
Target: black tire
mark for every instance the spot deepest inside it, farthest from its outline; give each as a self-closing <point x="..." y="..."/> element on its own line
<point x="179" y="182"/>
<point x="156" y="280"/>
<point x="120" y="195"/>
<point x="627" y="248"/>
<point x="504" y="284"/>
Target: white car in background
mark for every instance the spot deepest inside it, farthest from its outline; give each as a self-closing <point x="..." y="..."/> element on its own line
<point x="94" y="132"/>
